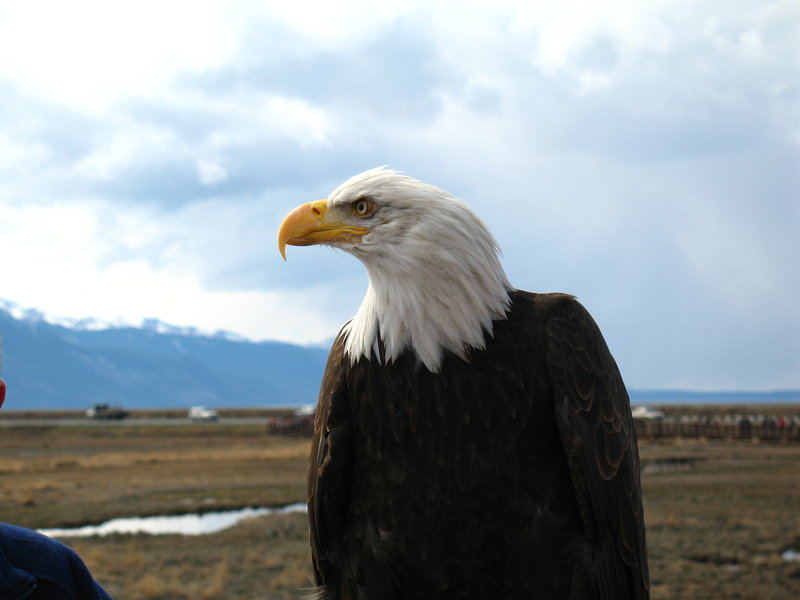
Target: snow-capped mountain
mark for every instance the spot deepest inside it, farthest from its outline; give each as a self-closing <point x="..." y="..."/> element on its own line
<point x="50" y="362"/>
<point x="34" y="315"/>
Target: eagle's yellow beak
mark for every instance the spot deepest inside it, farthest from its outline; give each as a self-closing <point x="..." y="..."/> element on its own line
<point x="308" y="224"/>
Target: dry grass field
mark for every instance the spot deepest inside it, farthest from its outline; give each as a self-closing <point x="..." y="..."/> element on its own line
<point x="719" y="515"/>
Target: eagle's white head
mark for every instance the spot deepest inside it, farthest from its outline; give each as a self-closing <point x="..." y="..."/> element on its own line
<point x="435" y="279"/>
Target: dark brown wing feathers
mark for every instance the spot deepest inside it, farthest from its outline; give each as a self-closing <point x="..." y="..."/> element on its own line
<point x="513" y="475"/>
<point x="597" y="430"/>
<point x="329" y="472"/>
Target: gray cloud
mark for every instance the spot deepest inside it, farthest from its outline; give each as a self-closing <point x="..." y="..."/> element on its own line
<point x="394" y="74"/>
<point x="656" y="182"/>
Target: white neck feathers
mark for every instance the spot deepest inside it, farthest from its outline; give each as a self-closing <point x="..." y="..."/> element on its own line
<point x="435" y="284"/>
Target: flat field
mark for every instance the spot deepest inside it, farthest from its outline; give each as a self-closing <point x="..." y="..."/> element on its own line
<point x="719" y="515"/>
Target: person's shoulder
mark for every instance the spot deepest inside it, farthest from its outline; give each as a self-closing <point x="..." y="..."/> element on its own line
<point x="30" y="546"/>
<point x="14" y="581"/>
<point x="57" y="569"/>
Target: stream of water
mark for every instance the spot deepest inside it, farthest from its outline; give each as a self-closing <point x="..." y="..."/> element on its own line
<point x="189" y="524"/>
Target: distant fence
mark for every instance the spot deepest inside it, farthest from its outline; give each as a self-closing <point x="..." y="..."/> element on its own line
<point x="765" y="430"/>
<point x="291" y="426"/>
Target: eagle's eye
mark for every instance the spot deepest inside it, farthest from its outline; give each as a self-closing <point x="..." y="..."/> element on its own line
<point x="363" y="207"/>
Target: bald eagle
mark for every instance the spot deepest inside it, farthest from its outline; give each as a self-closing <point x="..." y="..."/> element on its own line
<point x="471" y="440"/>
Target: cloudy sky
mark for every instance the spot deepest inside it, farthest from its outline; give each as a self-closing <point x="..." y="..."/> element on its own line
<point x="643" y="156"/>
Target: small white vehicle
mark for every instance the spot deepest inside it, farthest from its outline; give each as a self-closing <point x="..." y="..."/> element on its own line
<point x="642" y="412"/>
<point x="202" y="413"/>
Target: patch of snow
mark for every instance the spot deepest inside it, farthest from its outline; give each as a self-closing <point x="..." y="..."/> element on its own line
<point x="32" y="315"/>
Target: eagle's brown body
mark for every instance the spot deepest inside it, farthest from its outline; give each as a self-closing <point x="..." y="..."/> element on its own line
<point x="513" y="474"/>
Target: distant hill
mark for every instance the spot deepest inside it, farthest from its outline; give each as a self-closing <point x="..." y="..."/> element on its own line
<point x="67" y="366"/>
<point x="52" y="364"/>
<point x="660" y="397"/>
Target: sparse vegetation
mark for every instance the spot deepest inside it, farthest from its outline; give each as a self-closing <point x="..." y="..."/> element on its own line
<point x="719" y="515"/>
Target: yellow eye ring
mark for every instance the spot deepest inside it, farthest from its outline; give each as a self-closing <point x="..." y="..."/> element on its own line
<point x="363" y="207"/>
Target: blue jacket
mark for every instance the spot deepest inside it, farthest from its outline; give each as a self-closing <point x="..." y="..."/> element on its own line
<point x="36" y="567"/>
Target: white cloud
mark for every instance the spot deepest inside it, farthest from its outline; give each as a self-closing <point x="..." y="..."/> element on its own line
<point x="16" y="153"/>
<point x="64" y="264"/>
<point x="590" y="81"/>
<point x="127" y="143"/>
<point x="88" y="53"/>
<point x="336" y="22"/>
<point x="297" y="119"/>
<point x="211" y="171"/>
<point x="149" y="150"/>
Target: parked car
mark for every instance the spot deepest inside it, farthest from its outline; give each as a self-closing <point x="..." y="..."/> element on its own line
<point x="301" y="423"/>
<point x="202" y="413"/>
<point x="642" y="412"/>
<point x="103" y="410"/>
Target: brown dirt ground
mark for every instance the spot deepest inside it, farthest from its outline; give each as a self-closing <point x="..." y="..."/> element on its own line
<point x="718" y="515"/>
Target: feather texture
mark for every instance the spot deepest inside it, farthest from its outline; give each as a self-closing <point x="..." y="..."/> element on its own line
<point x="512" y="474"/>
<point x="471" y="440"/>
<point x="435" y="279"/>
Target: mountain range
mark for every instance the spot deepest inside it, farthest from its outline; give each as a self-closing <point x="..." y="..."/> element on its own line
<point x="55" y="364"/>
